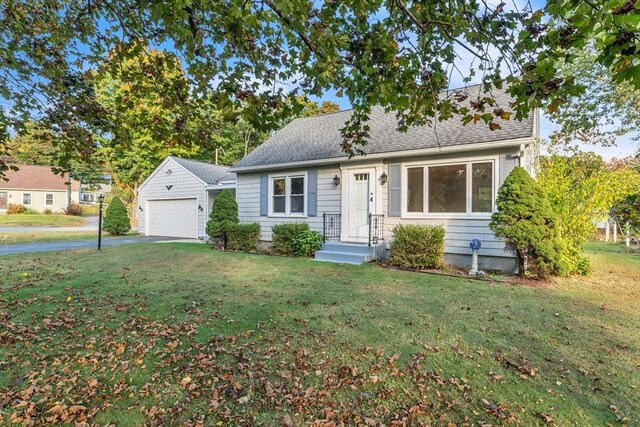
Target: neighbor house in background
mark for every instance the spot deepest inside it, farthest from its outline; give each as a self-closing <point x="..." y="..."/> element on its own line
<point x="89" y="192"/>
<point x="37" y="188"/>
<point x="176" y="199"/>
<point x="448" y="174"/>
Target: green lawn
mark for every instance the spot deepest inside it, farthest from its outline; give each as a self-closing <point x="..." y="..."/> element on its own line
<point x="14" y="237"/>
<point x="36" y="220"/>
<point x="178" y="333"/>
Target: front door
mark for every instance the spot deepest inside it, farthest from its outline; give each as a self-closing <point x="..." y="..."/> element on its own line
<point x="360" y="203"/>
<point x="3" y="200"/>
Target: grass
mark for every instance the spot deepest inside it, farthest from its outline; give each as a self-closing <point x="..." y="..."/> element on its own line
<point x="178" y="333"/>
<point x="41" y="220"/>
<point x="90" y="210"/>
<point x="15" y="237"/>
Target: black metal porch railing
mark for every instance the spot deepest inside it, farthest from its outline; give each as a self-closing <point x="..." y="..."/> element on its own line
<point x="331" y="226"/>
<point x="376" y="228"/>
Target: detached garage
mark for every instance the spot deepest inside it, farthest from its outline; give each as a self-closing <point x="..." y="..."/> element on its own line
<point x="176" y="200"/>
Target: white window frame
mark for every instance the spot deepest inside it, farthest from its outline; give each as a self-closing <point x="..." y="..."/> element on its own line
<point x="30" y="199"/>
<point x="52" y="199"/>
<point x="468" y="161"/>
<point x="287" y="200"/>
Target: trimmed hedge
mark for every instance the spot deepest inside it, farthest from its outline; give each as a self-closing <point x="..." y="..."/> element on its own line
<point x="243" y="237"/>
<point x="284" y="235"/>
<point x="417" y="246"/>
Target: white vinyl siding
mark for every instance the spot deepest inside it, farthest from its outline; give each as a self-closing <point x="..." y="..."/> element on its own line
<point x="248" y="197"/>
<point x="183" y="185"/>
<point x="460" y="228"/>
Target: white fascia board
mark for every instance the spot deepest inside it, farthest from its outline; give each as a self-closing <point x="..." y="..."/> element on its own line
<point x="390" y="154"/>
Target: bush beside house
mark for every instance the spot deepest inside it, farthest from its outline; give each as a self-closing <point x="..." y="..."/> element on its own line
<point x="307" y="243"/>
<point x="116" y="220"/>
<point x="243" y="237"/>
<point x="526" y="221"/>
<point x="417" y="246"/>
<point x="284" y="236"/>
<point x="224" y="214"/>
<point x="14" y="209"/>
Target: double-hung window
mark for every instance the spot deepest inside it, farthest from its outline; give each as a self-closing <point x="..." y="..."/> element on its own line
<point x="455" y="188"/>
<point x="288" y="194"/>
<point x="48" y="199"/>
<point x="26" y="199"/>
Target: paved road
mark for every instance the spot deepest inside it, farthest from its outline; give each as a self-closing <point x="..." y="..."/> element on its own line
<point x="91" y="225"/>
<point x="23" y="248"/>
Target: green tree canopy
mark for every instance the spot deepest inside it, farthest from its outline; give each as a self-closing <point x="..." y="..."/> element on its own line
<point x="258" y="54"/>
<point x="582" y="189"/>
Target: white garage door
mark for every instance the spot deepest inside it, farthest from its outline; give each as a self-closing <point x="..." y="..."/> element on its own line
<point x="173" y="217"/>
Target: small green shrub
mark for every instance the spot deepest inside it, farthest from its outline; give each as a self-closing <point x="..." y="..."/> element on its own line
<point x="14" y="209"/>
<point x="283" y="236"/>
<point x="417" y="246"/>
<point x="116" y="220"/>
<point x="224" y="213"/>
<point x="307" y="243"/>
<point x="73" y="209"/>
<point x="30" y="211"/>
<point x="243" y="237"/>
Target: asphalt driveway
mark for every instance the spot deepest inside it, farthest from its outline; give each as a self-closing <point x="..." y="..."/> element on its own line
<point x="23" y="248"/>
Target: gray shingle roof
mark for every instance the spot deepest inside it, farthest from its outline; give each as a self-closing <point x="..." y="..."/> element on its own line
<point x="319" y="138"/>
<point x="208" y="172"/>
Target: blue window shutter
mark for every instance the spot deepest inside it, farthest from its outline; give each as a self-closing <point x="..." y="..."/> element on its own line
<point x="264" y="195"/>
<point x="394" y="190"/>
<point x="312" y="190"/>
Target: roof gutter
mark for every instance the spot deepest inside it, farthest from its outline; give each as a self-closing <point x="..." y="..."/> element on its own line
<point x="221" y="185"/>
<point x="390" y="154"/>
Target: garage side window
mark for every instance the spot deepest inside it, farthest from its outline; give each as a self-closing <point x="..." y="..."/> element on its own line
<point x="288" y="195"/>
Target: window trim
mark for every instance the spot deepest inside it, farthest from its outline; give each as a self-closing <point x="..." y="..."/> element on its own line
<point x="53" y="198"/>
<point x="287" y="203"/>
<point x="30" y="199"/>
<point x="495" y="162"/>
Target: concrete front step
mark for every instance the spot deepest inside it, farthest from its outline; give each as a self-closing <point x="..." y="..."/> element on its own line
<point x="341" y="257"/>
<point x="356" y="248"/>
<point x="350" y="253"/>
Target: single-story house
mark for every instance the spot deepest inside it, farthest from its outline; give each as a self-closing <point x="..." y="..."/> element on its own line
<point x="447" y="174"/>
<point x="176" y="199"/>
<point x="38" y="188"/>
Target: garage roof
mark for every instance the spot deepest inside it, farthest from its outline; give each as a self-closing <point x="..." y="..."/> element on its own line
<point x="207" y="172"/>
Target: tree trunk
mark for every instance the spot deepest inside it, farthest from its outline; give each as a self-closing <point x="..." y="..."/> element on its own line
<point x="522" y="263"/>
<point x="134" y="204"/>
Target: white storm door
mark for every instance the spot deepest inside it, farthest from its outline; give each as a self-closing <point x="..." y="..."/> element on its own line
<point x="360" y="203"/>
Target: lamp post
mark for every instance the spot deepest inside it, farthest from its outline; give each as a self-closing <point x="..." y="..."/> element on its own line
<point x="100" y="199"/>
